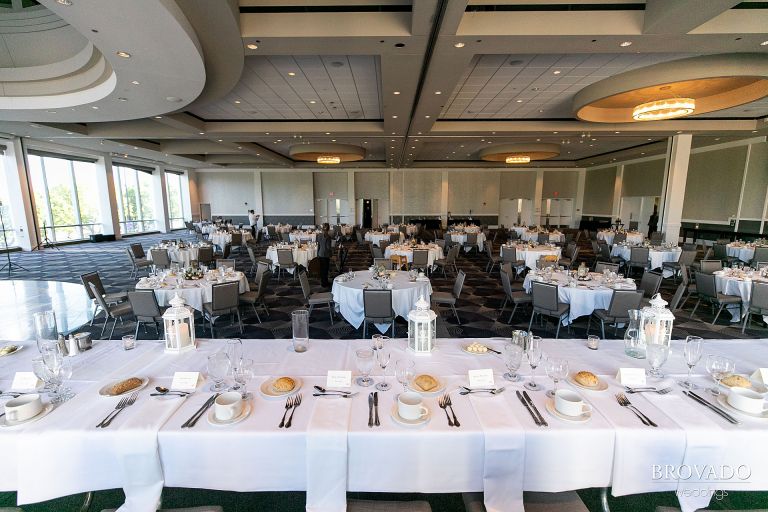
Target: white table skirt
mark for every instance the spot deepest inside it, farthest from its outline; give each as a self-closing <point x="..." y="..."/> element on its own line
<point x="410" y="229"/>
<point x="533" y="236"/>
<point x="612" y="449"/>
<point x="744" y="252"/>
<point x="194" y="292"/>
<point x="280" y="228"/>
<point x="376" y="237"/>
<point x="222" y="239"/>
<point x="519" y="230"/>
<point x="183" y="256"/>
<point x="349" y="296"/>
<point x="301" y="255"/>
<point x="633" y="238"/>
<point x="301" y="235"/>
<point x="461" y="238"/>
<point x="532" y="254"/>
<point x="435" y="253"/>
<point x="655" y="256"/>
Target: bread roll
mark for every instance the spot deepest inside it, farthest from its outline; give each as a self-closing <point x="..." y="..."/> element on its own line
<point x="426" y="382"/>
<point x="284" y="384"/>
<point x="736" y="381"/>
<point x="125" y="385"/>
<point x="588" y="379"/>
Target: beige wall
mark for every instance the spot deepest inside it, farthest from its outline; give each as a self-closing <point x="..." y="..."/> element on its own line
<point x="561" y="184"/>
<point x="714" y="184"/>
<point x="473" y="190"/>
<point x="517" y="185"/>
<point x="372" y="185"/>
<point x="422" y="192"/>
<point x="643" y="178"/>
<point x="287" y="193"/>
<point x="330" y="184"/>
<point x="227" y="192"/>
<point x="756" y="182"/>
<point x="598" y="191"/>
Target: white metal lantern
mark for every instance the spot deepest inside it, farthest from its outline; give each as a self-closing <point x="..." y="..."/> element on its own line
<point x="179" y="323"/>
<point x="656" y="323"/>
<point x="421" y="328"/>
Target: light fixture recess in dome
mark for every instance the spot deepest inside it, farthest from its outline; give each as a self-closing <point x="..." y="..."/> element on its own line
<point x="518" y="159"/>
<point x="664" y="109"/>
<point x="328" y="159"/>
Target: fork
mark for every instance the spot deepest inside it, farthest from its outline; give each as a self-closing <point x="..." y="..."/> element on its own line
<point x="288" y="405"/>
<point x="632" y="391"/>
<point x="119" y="406"/>
<point x="442" y="402"/>
<point x="130" y="402"/>
<point x="624" y="402"/>
<point x="296" y="404"/>
<point x="450" y="404"/>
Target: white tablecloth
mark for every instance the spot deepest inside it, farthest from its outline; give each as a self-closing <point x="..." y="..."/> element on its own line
<point x="301" y="255"/>
<point x="586" y="297"/>
<point x="461" y="238"/>
<point x="740" y="285"/>
<point x="297" y="236"/>
<point x="466" y="229"/>
<point x="435" y="252"/>
<point x="410" y="229"/>
<point x="532" y="254"/>
<point x="194" y="292"/>
<point x="349" y="295"/>
<point x="375" y="237"/>
<point x="655" y="256"/>
<point x="279" y="228"/>
<point x="183" y="256"/>
<point x="533" y="236"/>
<point x="745" y="252"/>
<point x="519" y="230"/>
<point x="633" y="237"/>
<point x="221" y="238"/>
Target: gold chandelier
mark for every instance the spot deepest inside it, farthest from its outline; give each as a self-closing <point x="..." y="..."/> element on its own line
<point x="664" y="109"/>
<point x="518" y="159"/>
<point x="328" y="159"/>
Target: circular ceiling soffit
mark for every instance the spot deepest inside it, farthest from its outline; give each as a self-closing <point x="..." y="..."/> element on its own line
<point x="714" y="82"/>
<point x="534" y="151"/>
<point x="327" y="152"/>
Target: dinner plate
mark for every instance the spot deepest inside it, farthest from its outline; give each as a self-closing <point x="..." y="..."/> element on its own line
<point x="268" y="391"/>
<point x="434" y="392"/>
<point x="601" y="384"/>
<point x="104" y="391"/>
<point x="247" y="408"/>
<point x="47" y="408"/>
<point x="464" y="349"/>
<point x="18" y="347"/>
<point x="410" y="423"/>
<point x="722" y="399"/>
<point x="549" y="405"/>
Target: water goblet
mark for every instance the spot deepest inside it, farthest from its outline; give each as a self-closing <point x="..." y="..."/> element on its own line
<point x="533" y="353"/>
<point x="692" y="352"/>
<point x="41" y="372"/>
<point x="242" y="375"/>
<point x="657" y="354"/>
<point x="383" y="356"/>
<point x="719" y="367"/>
<point x="404" y="369"/>
<point x="364" y="361"/>
<point x="218" y="369"/>
<point x="513" y="357"/>
<point x="557" y="370"/>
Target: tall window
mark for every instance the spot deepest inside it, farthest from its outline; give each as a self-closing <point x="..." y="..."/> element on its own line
<point x="136" y="199"/>
<point x="5" y="210"/>
<point x="175" y="205"/>
<point x="65" y="197"/>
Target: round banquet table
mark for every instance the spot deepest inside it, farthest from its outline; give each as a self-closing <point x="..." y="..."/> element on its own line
<point x="194" y="292"/>
<point x="301" y="255"/>
<point x="466" y="229"/>
<point x="532" y="254"/>
<point x="279" y="228"/>
<point x="182" y="256"/>
<point x="435" y="252"/>
<point x="519" y="230"/>
<point x="297" y="236"/>
<point x="656" y="256"/>
<point x="345" y="230"/>
<point x="410" y="229"/>
<point x="633" y="237"/>
<point x="376" y="237"/>
<point x="221" y="238"/>
<point x="533" y="236"/>
<point x="745" y="252"/>
<point x="586" y="296"/>
<point x="738" y="283"/>
<point x="461" y="238"/>
<point x="348" y="295"/>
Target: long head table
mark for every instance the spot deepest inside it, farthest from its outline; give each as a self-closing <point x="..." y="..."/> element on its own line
<point x="331" y="450"/>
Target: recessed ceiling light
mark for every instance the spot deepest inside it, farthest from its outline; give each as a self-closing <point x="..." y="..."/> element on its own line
<point x="201" y="133"/>
<point x="239" y="147"/>
<point x="625" y="44"/>
<point x="237" y="102"/>
<point x="333" y="140"/>
<point x="365" y="142"/>
<point x="94" y="107"/>
<point x="556" y="72"/>
<point x="291" y="73"/>
<point x="764" y="43"/>
<point x="555" y="133"/>
<point x="458" y="45"/>
<point x="312" y="101"/>
<point x="173" y="99"/>
<point x="158" y="117"/>
<point x="396" y="92"/>
<point x="266" y="133"/>
<point x="122" y="99"/>
<point x="252" y="46"/>
<point x="394" y="117"/>
<point x="124" y="54"/>
<point x="616" y="132"/>
<point x="438" y="92"/>
<point x="135" y="82"/>
<point x="68" y="133"/>
<point x="642" y="152"/>
<point x="427" y="117"/>
<point x="220" y="140"/>
<point x="279" y="140"/>
<point x="519" y="101"/>
<point x="64" y="2"/>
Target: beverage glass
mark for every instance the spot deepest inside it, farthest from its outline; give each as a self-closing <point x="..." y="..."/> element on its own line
<point x="383" y="357"/>
<point x="692" y="352"/>
<point x="557" y="370"/>
<point x="45" y="326"/>
<point x="533" y="353"/>
<point x="364" y="361"/>
<point x="657" y="354"/>
<point x="513" y="357"/>
<point x="218" y="368"/>
<point x="404" y="369"/>
<point x="300" y="323"/>
<point x="242" y="375"/>
<point x="129" y="342"/>
<point x="719" y="367"/>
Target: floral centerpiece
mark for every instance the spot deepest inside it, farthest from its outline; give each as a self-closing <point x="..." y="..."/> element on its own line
<point x="378" y="272"/>
<point x="191" y="273"/>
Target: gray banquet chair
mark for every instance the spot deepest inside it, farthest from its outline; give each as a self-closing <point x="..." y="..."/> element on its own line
<point x="420" y="260"/>
<point x="377" y="309"/>
<point x="284" y="262"/>
<point x="604" y="265"/>
<point x="256" y="298"/>
<point x="160" y="258"/>
<point x="136" y="264"/>
<point x="638" y="258"/>
<point x="516" y="297"/>
<point x="649" y="285"/>
<point x="109" y="298"/>
<point x="451" y="298"/>
<point x="113" y="312"/>
<point x="146" y="310"/>
<point x="710" y="266"/>
<point x="315" y="299"/>
<point x="758" y="303"/>
<point x="225" y="300"/>
<point x="621" y="302"/>
<point x="706" y="290"/>
<point x="226" y="263"/>
<point x="546" y="302"/>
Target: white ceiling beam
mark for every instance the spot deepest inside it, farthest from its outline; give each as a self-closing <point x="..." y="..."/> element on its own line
<point x="325" y="24"/>
<point x="502" y="127"/>
<point x="422" y="16"/>
<point x="183" y="122"/>
<point x="681" y="16"/>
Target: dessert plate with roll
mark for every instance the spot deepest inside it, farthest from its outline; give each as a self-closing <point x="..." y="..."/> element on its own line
<point x="10" y="349"/>
<point x="427" y="385"/>
<point x="587" y="380"/>
<point x="124" y="386"/>
<point x="280" y="387"/>
<point x="742" y="381"/>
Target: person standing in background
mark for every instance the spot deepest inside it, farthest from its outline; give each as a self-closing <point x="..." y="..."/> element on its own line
<point x="324" y="254"/>
<point x="653" y="221"/>
<point x="253" y="220"/>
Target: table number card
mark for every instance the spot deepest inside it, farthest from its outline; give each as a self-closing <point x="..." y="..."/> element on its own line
<point x="631" y="377"/>
<point x="24" y="381"/>
<point x="339" y="379"/>
<point x="760" y="375"/>
<point x="185" y="381"/>
<point x="481" y="378"/>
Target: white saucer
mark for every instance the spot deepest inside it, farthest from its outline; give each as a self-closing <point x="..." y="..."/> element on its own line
<point x="435" y="392"/>
<point x="104" y="391"/>
<point x="582" y="418"/>
<point x="601" y="384"/>
<point x="410" y="423"/>
<point x="722" y="399"/>
<point x="464" y="349"/>
<point x="247" y="408"/>
<point x="18" y="347"/>
<point x="47" y="408"/>
<point x="268" y="391"/>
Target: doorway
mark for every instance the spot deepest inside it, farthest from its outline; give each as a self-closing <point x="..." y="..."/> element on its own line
<point x="515" y="211"/>
<point x="635" y="211"/>
<point x="556" y="212"/>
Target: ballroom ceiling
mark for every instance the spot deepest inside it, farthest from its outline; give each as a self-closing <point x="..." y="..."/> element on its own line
<point x="422" y="83"/>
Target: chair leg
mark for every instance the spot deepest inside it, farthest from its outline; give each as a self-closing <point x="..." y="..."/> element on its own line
<point x="330" y="312"/>
<point x="365" y="329"/>
<point x="602" y="328"/>
<point x="720" y="310"/>
<point x="744" y="323"/>
<point x="239" y="320"/>
<point x="530" y="323"/>
<point x="456" y="313"/>
<point x="512" y="314"/>
<point x="255" y="310"/>
<point x="559" y="323"/>
<point x="136" y="334"/>
<point x="114" y="324"/>
<point x="695" y="307"/>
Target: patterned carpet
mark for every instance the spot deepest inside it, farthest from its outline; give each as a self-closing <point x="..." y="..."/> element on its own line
<point x="478" y="305"/>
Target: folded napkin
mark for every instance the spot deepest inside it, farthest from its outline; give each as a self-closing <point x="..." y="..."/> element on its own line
<point x="327" y="455"/>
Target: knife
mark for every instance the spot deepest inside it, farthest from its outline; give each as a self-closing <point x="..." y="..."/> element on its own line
<point x="370" y="410"/>
<point x="338" y="395"/>
<point x="535" y="419"/>
<point x="714" y="408"/>
<point x="533" y="406"/>
<point x="376" y="407"/>
<point x="193" y="419"/>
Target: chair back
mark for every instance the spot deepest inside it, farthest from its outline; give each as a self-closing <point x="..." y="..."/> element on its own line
<point x="689" y="247"/>
<point x="377" y="252"/>
<point x="471" y="239"/>
<point x="513" y="235"/>
<point x="674" y="303"/>
<point x="285" y="257"/>
<point x="131" y="255"/>
<point x="605" y="252"/>
<point x="251" y="255"/>
<point x="227" y="250"/>
<point x="759" y="298"/>
<point x="221" y="262"/>
<point x="205" y="255"/>
<point x="761" y="255"/>
<point x="377" y="303"/>
<point x="263" y="282"/>
<point x="383" y="246"/>
<point x="620" y="238"/>
<point x="138" y="251"/>
<point x="710" y="266"/>
<point x="271" y="233"/>
<point x="707" y="254"/>
<point x="506" y="283"/>
<point x="286" y="237"/>
<point x="225" y="295"/>
<point x="574" y="256"/>
<point x="459" y="283"/>
<point x="382" y="262"/>
<point x="160" y="258"/>
<point x="622" y="301"/>
<point x="633" y="225"/>
<point x="144" y="304"/>
<point x="506" y="268"/>
<point x="508" y="254"/>
<point x="304" y="280"/>
<point x="639" y="255"/>
<point x="657" y="237"/>
<point x="705" y="285"/>
<point x="359" y="235"/>
<point x="543" y="238"/>
<point x="452" y="254"/>
<point x="687" y="257"/>
<point x="237" y="239"/>
<point x="420" y="257"/>
<point x="99" y="298"/>
<point x="92" y="277"/>
<point x="489" y="249"/>
<point x="604" y="265"/>
<point x="395" y="237"/>
<point x="595" y="247"/>
<point x="650" y="283"/>
<point x="545" y="296"/>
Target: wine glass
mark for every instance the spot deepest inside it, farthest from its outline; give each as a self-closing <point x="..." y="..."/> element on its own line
<point x="383" y="356"/>
<point x="378" y="340"/>
<point x="364" y="361"/>
<point x="692" y="352"/>
<point x="41" y="372"/>
<point x="404" y="369"/>
<point x="557" y="370"/>
<point x="533" y="353"/>
<point x="657" y="354"/>
<point x="243" y="374"/>
<point x="513" y="357"/>
<point x="719" y="367"/>
<point x="218" y="369"/>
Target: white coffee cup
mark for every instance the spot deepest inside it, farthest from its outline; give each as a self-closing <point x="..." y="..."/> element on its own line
<point x="747" y="400"/>
<point x="228" y="406"/>
<point x="410" y="407"/>
<point x="23" y="408"/>
<point x="570" y="403"/>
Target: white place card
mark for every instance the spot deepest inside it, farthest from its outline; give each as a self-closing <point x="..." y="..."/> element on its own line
<point x="185" y="381"/>
<point x="24" y="381"/>
<point x="631" y="377"/>
<point x="481" y="378"/>
<point x="338" y="379"/>
<point x="760" y="375"/>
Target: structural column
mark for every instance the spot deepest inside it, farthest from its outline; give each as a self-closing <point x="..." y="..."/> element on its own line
<point x="537" y="195"/>
<point x="21" y="205"/>
<point x="107" y="197"/>
<point x="258" y="200"/>
<point x="618" y="184"/>
<point x="444" y="198"/>
<point x="673" y="194"/>
<point x="161" y="200"/>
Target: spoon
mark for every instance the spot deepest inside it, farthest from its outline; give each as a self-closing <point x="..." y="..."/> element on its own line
<point x="323" y="390"/>
<point x="165" y="391"/>
<point x="491" y="391"/>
